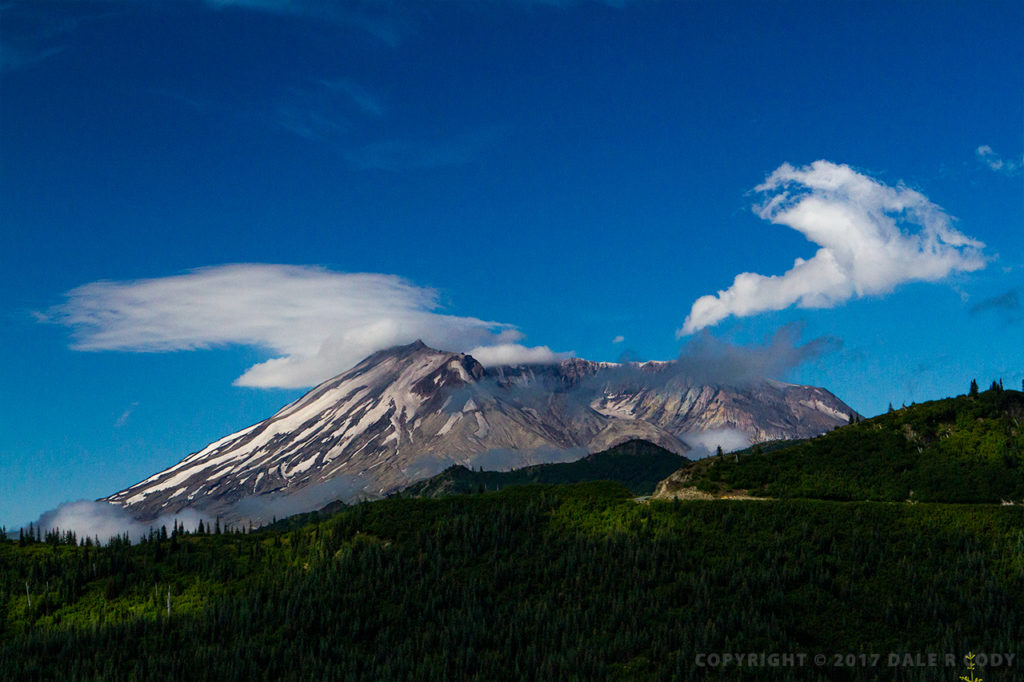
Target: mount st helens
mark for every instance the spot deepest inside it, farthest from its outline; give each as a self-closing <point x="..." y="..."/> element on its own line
<point x="409" y="412"/>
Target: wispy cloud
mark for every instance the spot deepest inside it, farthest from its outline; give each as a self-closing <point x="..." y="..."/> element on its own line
<point x="87" y="518"/>
<point x="515" y="354"/>
<point x="369" y="103"/>
<point x="316" y="322"/>
<point x="1007" y="306"/>
<point x="873" y="237"/>
<point x="414" y="154"/>
<point x="710" y="361"/>
<point x="996" y="162"/>
<point x="32" y="36"/>
<point x="324" y="111"/>
<point x="372" y="18"/>
<point x="190" y="101"/>
<point x="706" y="443"/>
<point x="14" y="58"/>
<point x="308" y="122"/>
<point x="572" y="3"/>
<point x="705" y="360"/>
<point x="262" y="509"/>
<point x="123" y="419"/>
<point x="619" y="339"/>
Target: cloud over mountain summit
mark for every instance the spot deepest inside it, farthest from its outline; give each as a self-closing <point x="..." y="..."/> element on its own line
<point x="315" y="321"/>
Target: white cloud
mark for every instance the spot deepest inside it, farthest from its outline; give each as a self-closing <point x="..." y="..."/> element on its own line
<point x="872" y="237"/>
<point x="619" y="339"/>
<point x="996" y="162"/>
<point x="515" y="354"/>
<point x="88" y="518"/>
<point x="706" y="443"/>
<point x="316" y="322"/>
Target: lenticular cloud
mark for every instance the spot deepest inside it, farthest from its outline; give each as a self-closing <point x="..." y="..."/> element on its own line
<point x="872" y="237"/>
<point x="316" y="322"/>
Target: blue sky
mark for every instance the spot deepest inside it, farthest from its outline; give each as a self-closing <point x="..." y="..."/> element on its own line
<point x="205" y="206"/>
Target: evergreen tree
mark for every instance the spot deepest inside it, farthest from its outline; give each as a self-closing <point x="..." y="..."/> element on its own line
<point x="974" y="389"/>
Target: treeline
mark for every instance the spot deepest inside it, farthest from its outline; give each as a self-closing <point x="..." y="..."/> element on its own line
<point x="34" y="534"/>
<point x="964" y="449"/>
<point x="532" y="583"/>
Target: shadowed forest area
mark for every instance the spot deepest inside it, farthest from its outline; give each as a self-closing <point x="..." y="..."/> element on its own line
<point x="573" y="582"/>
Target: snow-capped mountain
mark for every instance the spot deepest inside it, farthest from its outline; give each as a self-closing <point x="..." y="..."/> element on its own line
<point x="407" y="413"/>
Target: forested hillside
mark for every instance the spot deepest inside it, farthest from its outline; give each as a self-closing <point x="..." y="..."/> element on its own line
<point x="964" y="449"/>
<point x="531" y="583"/>
<point x="637" y="464"/>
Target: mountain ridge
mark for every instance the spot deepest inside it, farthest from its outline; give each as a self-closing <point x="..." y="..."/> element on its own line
<point x="406" y="413"/>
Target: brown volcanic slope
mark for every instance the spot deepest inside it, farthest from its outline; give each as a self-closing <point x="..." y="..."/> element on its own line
<point x="407" y="413"/>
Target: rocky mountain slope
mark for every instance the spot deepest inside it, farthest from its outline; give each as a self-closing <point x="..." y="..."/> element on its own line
<point x="407" y="413"/>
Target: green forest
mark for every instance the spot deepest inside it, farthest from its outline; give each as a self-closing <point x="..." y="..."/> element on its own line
<point x="636" y="464"/>
<point x="964" y="449"/>
<point x="565" y="582"/>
